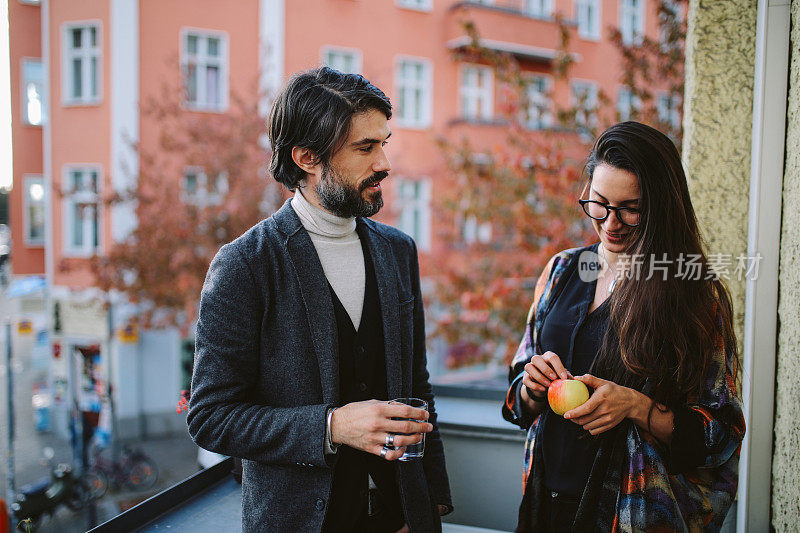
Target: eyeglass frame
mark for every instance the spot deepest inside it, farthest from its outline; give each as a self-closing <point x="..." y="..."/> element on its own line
<point x="609" y="209"/>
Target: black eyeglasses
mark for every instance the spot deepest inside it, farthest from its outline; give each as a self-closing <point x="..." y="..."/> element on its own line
<point x="600" y="211"/>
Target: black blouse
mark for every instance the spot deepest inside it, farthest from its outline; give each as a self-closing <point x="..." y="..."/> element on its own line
<point x="575" y="335"/>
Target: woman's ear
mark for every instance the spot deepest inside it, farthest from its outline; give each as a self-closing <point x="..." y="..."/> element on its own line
<point x="306" y="160"/>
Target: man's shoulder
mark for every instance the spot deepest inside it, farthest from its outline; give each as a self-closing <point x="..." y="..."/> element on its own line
<point x="257" y="241"/>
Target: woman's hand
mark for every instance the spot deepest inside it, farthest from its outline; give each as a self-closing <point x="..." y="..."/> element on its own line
<point x="609" y="405"/>
<point x="543" y="370"/>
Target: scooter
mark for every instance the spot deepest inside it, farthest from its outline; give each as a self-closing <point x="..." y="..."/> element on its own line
<point x="44" y="496"/>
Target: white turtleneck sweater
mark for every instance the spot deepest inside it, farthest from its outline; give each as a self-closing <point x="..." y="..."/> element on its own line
<point x="339" y="251"/>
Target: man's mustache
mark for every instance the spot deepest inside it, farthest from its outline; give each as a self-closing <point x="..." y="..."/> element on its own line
<point x="374" y="180"/>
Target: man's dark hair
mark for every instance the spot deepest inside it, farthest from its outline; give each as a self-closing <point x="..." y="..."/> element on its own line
<point x="314" y="111"/>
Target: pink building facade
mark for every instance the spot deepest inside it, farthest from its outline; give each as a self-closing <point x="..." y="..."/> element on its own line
<point x="80" y="68"/>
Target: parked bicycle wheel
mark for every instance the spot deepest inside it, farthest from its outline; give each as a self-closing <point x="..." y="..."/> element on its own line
<point x="142" y="475"/>
<point x="96" y="482"/>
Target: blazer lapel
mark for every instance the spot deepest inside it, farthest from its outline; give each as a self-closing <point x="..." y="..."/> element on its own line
<point x="386" y="275"/>
<point x="316" y="298"/>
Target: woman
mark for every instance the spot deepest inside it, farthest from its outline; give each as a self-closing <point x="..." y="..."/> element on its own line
<point x="641" y="319"/>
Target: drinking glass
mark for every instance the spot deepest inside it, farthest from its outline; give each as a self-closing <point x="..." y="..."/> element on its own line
<point x="413" y="451"/>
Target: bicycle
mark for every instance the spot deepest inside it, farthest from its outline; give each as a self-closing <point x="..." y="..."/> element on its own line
<point x="134" y="470"/>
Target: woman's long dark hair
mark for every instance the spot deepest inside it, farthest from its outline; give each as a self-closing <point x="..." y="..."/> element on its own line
<point x="663" y="332"/>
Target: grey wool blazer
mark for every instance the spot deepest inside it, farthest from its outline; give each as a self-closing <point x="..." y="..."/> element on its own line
<point x="266" y="371"/>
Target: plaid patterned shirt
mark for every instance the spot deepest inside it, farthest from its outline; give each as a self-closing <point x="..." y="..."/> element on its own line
<point x="636" y="483"/>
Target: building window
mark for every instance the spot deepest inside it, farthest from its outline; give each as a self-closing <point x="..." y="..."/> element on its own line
<point x="203" y="192"/>
<point x="477" y="93"/>
<point x="588" y="14"/>
<point x="33" y="112"/>
<point x="413" y="82"/>
<point x="82" y="211"/>
<point x="628" y="104"/>
<point x="671" y="12"/>
<point x="474" y="232"/>
<point x="631" y="21"/>
<point x="81" y="65"/>
<point x="539" y="114"/>
<point x="539" y="8"/>
<point x="584" y="98"/>
<point x="204" y="59"/>
<point x="345" y="60"/>
<point x="34" y="210"/>
<point x="419" y="5"/>
<point x="669" y="110"/>
<point x="414" y="200"/>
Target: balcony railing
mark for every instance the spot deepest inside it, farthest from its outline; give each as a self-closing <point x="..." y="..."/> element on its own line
<point x="507" y="26"/>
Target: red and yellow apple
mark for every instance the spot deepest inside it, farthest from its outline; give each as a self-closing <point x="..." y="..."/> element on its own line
<point x="566" y="394"/>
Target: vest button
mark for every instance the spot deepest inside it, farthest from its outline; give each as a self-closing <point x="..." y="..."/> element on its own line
<point x="320" y="505"/>
<point x="362" y="387"/>
<point x="361" y="351"/>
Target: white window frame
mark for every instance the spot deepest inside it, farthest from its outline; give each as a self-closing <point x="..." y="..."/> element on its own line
<point x="204" y="197"/>
<point x="473" y="232"/>
<point x="591" y="33"/>
<point x="202" y="60"/>
<point x="415" y="5"/>
<point x="671" y="112"/>
<point x="68" y="54"/>
<point x="42" y="87"/>
<point x="676" y="7"/>
<point x="405" y="87"/>
<point x="543" y="8"/>
<point x="28" y="180"/>
<point x="593" y="89"/>
<point x="354" y="53"/>
<point x="539" y="113"/>
<point x="629" y="13"/>
<point x="482" y="96"/>
<point x="415" y="208"/>
<point x="88" y="197"/>
<point x="627" y="102"/>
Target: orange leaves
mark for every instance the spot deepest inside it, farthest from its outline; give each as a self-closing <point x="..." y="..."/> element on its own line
<point x="184" y="219"/>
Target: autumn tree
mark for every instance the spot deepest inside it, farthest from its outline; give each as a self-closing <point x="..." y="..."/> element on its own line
<point x="514" y="205"/>
<point x="202" y="186"/>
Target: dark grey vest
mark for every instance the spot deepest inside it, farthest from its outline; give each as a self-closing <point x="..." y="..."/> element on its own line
<point x="362" y="376"/>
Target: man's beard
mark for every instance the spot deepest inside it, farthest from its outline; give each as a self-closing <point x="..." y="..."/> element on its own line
<point x="346" y="200"/>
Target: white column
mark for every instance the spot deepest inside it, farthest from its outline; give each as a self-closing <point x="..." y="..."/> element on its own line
<point x="124" y="39"/>
<point x="47" y="155"/>
<point x="271" y="15"/>
<point x="763" y="237"/>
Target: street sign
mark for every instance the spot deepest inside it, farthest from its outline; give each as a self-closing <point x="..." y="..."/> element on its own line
<point x="81" y="318"/>
<point x="24" y="327"/>
<point x="129" y="334"/>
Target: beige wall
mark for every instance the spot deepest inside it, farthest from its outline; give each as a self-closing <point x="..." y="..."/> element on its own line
<point x="718" y="122"/>
<point x="786" y="460"/>
<point x="720" y="60"/>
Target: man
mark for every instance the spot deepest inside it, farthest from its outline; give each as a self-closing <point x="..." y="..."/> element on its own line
<point x="310" y="322"/>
